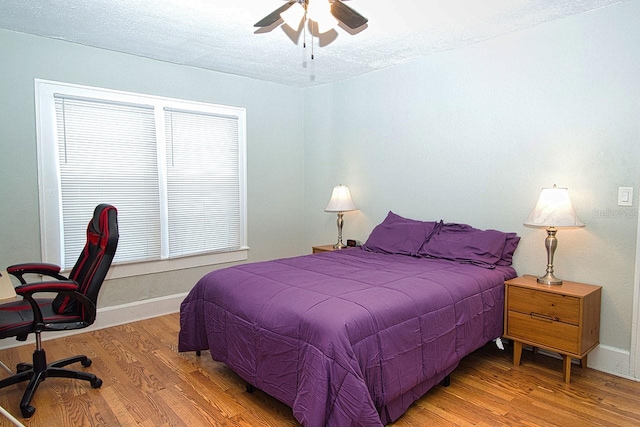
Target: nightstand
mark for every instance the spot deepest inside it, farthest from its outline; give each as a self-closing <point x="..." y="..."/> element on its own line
<point x="323" y="248"/>
<point x="561" y="318"/>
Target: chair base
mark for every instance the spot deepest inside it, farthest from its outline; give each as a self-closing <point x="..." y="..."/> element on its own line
<point x="39" y="370"/>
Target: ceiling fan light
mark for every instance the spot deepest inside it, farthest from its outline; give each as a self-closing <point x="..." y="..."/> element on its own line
<point x="293" y="16"/>
<point x="319" y="11"/>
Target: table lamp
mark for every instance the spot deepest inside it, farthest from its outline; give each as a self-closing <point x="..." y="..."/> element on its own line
<point x="553" y="211"/>
<point x="340" y="202"/>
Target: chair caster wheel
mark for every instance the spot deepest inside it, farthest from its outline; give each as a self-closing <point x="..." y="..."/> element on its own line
<point x="96" y="383"/>
<point x="86" y="363"/>
<point x="23" y="367"/>
<point x="27" y="411"/>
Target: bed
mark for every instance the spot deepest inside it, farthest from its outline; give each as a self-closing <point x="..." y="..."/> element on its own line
<point x="354" y="337"/>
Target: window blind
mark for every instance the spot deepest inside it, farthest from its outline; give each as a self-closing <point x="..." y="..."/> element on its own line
<point x="107" y="154"/>
<point x="203" y="182"/>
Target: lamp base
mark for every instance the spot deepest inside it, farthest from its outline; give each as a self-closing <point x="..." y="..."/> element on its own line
<point x="549" y="279"/>
<point x="340" y="221"/>
<point x="551" y="243"/>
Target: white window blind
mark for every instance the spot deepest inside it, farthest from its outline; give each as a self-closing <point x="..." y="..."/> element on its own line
<point x="107" y="153"/>
<point x="203" y="188"/>
<point x="174" y="169"/>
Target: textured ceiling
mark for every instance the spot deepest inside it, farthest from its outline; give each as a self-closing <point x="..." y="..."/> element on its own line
<point x="219" y="34"/>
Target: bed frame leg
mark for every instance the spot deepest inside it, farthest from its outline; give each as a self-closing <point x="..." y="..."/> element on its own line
<point x="250" y="388"/>
<point x="446" y="381"/>
<point x="198" y="353"/>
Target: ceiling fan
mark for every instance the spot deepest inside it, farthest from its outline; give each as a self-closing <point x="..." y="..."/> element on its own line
<point x="316" y="10"/>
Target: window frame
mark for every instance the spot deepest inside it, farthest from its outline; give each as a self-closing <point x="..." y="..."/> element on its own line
<point x="49" y="187"/>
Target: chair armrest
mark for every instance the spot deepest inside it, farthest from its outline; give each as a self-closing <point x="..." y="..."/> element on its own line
<point x="45" y="269"/>
<point x="49" y="286"/>
<point x="68" y="287"/>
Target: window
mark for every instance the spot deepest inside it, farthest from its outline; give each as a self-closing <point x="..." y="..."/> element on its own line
<point x="174" y="169"/>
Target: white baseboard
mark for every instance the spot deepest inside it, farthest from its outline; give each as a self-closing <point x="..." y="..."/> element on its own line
<point x="611" y="360"/>
<point x="607" y="359"/>
<point x="113" y="316"/>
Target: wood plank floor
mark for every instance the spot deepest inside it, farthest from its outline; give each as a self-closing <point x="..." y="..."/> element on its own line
<point x="148" y="383"/>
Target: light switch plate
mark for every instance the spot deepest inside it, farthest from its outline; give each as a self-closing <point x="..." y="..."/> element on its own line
<point x="625" y="196"/>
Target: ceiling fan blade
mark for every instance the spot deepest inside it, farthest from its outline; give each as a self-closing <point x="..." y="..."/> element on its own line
<point x="274" y="16"/>
<point x="346" y="15"/>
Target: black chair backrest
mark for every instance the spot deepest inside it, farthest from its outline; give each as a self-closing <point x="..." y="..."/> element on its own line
<point x="93" y="263"/>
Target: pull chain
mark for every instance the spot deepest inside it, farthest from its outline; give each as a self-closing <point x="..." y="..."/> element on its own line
<point x="312" y="42"/>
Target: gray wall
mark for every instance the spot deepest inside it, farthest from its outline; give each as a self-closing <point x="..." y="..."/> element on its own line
<point x="472" y="135"/>
<point x="469" y="135"/>
<point x="274" y="134"/>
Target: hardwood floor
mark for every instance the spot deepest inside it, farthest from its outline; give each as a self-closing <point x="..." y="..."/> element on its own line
<point x="148" y="383"/>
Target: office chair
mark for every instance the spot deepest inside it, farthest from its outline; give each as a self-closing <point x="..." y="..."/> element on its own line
<point x="74" y="306"/>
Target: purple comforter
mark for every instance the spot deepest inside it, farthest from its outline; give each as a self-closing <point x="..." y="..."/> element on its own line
<point x="346" y="338"/>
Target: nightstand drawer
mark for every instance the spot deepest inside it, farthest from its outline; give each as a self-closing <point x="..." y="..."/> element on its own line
<point x="543" y="331"/>
<point x="562" y="308"/>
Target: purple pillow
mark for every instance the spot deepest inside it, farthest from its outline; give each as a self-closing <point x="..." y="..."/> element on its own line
<point x="393" y="218"/>
<point x="510" y="245"/>
<point x="398" y="235"/>
<point x="463" y="243"/>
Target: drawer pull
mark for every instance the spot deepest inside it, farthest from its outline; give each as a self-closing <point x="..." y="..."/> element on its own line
<point x="543" y="317"/>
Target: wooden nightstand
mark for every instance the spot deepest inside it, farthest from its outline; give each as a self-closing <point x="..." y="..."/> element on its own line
<point x="322" y="248"/>
<point x="564" y="319"/>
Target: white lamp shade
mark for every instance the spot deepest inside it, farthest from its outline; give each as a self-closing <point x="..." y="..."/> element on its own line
<point x="554" y="209"/>
<point x="340" y="200"/>
<point x="293" y="16"/>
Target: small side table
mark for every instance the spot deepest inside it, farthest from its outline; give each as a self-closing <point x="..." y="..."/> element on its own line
<point x="7" y="293"/>
<point x="561" y="318"/>
<point x="7" y="290"/>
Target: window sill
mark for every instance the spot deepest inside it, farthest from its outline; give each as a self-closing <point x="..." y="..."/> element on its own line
<point x="118" y="271"/>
